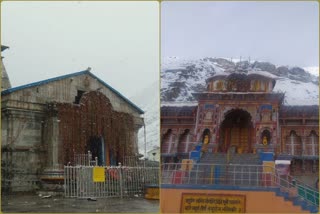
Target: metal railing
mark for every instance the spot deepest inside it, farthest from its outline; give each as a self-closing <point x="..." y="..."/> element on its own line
<point x="118" y="181"/>
<point x="131" y="161"/>
<point x="217" y="174"/>
<point x="296" y="188"/>
<point x="237" y="175"/>
<point x="134" y="161"/>
<point x="85" y="159"/>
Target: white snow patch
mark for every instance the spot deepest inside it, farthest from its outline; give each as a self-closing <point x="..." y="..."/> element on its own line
<point x="312" y="70"/>
<point x="264" y="73"/>
<point x="179" y="104"/>
<point x="298" y="93"/>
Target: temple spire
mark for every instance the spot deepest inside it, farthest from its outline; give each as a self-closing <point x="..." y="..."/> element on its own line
<point x="5" y="81"/>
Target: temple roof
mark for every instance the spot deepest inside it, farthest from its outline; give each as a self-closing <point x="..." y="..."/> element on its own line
<point x="3" y="47"/>
<point x="241" y="82"/>
<point x="242" y="76"/>
<point x="43" y="82"/>
<point x="181" y="111"/>
<point x="299" y="111"/>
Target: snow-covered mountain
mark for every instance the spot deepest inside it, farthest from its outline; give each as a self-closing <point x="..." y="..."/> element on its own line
<point x="148" y="101"/>
<point x="312" y="70"/>
<point x="180" y="77"/>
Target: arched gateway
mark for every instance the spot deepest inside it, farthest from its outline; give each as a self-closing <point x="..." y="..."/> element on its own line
<point x="238" y="113"/>
<point x="236" y="132"/>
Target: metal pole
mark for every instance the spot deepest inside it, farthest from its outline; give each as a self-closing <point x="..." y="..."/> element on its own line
<point x="120" y="180"/>
<point x="65" y="175"/>
<point x="89" y="158"/>
<point x="145" y="144"/>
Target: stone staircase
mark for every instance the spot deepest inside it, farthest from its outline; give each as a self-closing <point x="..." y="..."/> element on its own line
<point x="210" y="158"/>
<point x="244" y="174"/>
<point x="297" y="201"/>
<point x="221" y="158"/>
<point x="246" y="159"/>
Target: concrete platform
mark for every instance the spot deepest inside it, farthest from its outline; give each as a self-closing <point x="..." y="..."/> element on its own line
<point x="58" y="204"/>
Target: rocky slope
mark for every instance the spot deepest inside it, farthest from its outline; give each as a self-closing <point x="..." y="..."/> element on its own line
<point x="180" y="77"/>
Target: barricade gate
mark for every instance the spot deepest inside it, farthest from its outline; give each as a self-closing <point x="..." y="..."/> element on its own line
<point x="108" y="181"/>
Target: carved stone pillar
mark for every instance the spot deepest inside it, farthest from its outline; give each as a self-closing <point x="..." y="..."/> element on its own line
<point x="175" y="142"/>
<point x="53" y="172"/>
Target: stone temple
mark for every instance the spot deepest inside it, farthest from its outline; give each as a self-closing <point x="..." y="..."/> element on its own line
<point x="46" y="123"/>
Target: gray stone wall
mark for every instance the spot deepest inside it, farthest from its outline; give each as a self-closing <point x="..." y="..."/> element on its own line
<point x="23" y="151"/>
<point x="20" y="170"/>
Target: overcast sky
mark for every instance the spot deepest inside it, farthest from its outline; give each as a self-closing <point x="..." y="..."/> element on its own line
<point x="284" y="33"/>
<point x="118" y="40"/>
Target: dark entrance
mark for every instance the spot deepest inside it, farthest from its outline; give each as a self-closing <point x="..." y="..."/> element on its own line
<point x="97" y="149"/>
<point x="236" y="132"/>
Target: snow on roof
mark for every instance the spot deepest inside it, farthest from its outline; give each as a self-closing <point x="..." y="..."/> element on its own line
<point x="263" y="73"/>
<point x="179" y="104"/>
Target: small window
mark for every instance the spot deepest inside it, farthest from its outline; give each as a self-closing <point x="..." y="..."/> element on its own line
<point x="256" y="86"/>
<point x="78" y="97"/>
<point x="219" y="85"/>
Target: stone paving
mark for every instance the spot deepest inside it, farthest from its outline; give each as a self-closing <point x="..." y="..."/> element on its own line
<point x="59" y="204"/>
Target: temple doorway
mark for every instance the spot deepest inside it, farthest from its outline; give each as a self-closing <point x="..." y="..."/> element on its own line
<point x="97" y="149"/>
<point x="236" y="132"/>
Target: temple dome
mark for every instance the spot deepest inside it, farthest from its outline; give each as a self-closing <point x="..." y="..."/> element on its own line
<point x="240" y="82"/>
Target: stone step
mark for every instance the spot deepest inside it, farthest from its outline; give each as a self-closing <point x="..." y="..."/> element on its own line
<point x="221" y="158"/>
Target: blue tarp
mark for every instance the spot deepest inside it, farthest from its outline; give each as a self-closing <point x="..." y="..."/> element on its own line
<point x="266" y="156"/>
<point x="195" y="155"/>
<point x="198" y="148"/>
<point x="217" y="173"/>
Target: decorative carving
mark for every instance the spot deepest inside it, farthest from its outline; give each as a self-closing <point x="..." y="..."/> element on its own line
<point x="265" y="116"/>
<point x="93" y="117"/>
<point x="208" y="116"/>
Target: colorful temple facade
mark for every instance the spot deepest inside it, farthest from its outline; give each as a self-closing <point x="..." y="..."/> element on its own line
<point x="240" y="113"/>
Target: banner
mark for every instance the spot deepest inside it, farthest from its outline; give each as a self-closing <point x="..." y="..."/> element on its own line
<point x="212" y="203"/>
